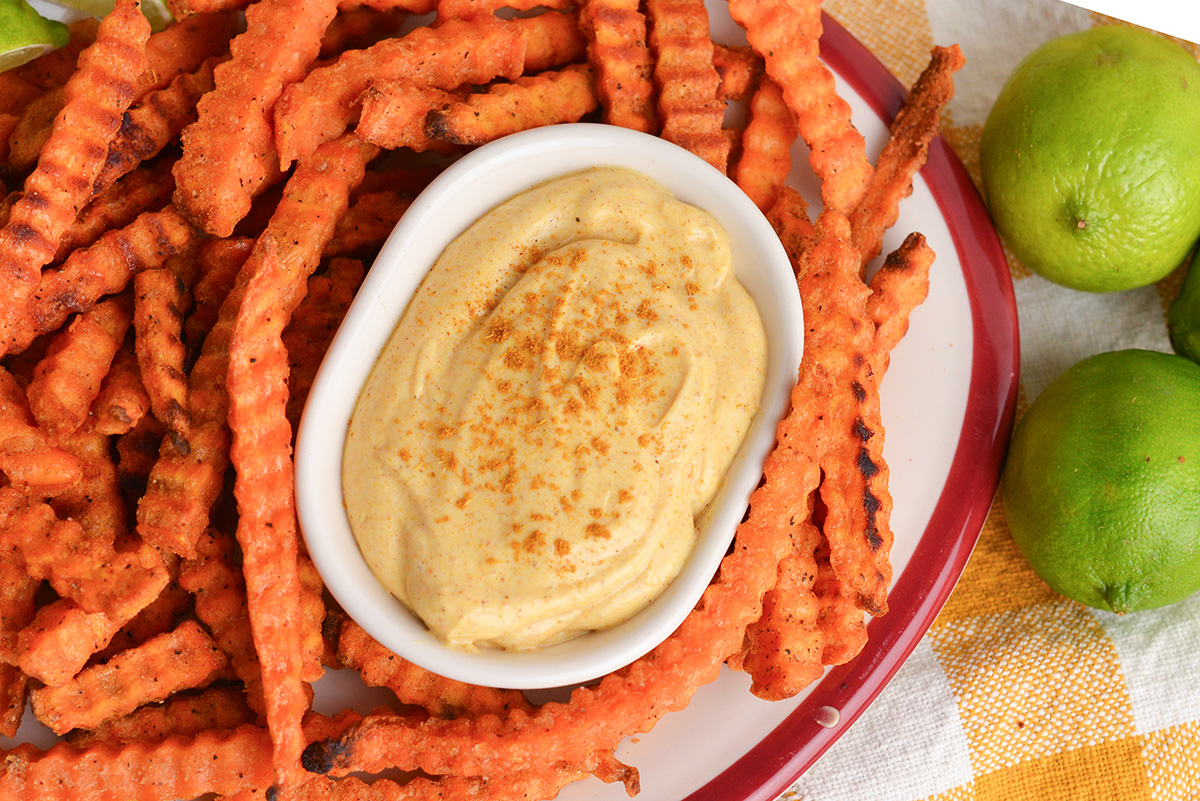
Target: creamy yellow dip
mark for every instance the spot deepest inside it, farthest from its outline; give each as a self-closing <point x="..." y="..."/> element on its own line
<point x="558" y="403"/>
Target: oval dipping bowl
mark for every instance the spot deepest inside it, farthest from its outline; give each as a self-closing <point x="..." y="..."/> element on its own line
<point x="465" y="191"/>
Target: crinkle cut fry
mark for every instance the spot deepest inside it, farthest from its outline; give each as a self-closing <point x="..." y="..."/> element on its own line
<point x="216" y="581"/>
<point x="278" y="269"/>
<point x="17" y="607"/>
<point x="153" y="123"/>
<point x="97" y="95"/>
<point x="441" y="697"/>
<point x="620" y="55"/>
<point x="158" y="617"/>
<point x="854" y="486"/>
<point x="689" y="113"/>
<point x="900" y="285"/>
<point x="789" y="217"/>
<point x="314" y="323"/>
<point x="739" y="68"/>
<point x="147" y="188"/>
<point x="786" y="33"/>
<point x="103" y="269"/>
<point x="359" y="28"/>
<point x="321" y="106"/>
<point x="367" y="224"/>
<point x="185" y="658"/>
<point x="187" y="715"/>
<point x="178" y="767"/>
<point x="174" y="512"/>
<point x="85" y="569"/>
<point x="160" y="300"/>
<point x="548" y="98"/>
<point x="67" y="381"/>
<point x="553" y="39"/>
<point x="27" y="458"/>
<point x="767" y="140"/>
<point x="393" y="115"/>
<point x="905" y="151"/>
<point x="633" y="698"/>
<point x="60" y="640"/>
<point x="229" y="153"/>
<point x="122" y="401"/>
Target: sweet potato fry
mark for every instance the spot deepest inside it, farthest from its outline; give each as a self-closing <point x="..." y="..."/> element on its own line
<point x="15" y="94"/>
<point x="548" y="98"/>
<point x="228" y="153"/>
<point x="854" y="487"/>
<point x="313" y="325"/>
<point x="137" y="450"/>
<point x="766" y="156"/>
<point x="905" y="151"/>
<point x="215" y="580"/>
<point x="359" y="28"/>
<point x="320" y="107"/>
<point x="278" y="270"/>
<point x="739" y="68"/>
<point x="393" y="116"/>
<point x="441" y="697"/>
<point x="32" y="129"/>
<point x="96" y="97"/>
<point x="899" y="286"/>
<point x="786" y="34"/>
<point x="784" y="647"/>
<point x="619" y="55"/>
<point x="17" y="607"/>
<point x="840" y="620"/>
<point x="688" y="109"/>
<point x="217" y="709"/>
<point x="27" y="458"/>
<point x="60" y="640"/>
<point x="183" y="487"/>
<point x="104" y="268"/>
<point x="161" y="615"/>
<point x="552" y="40"/>
<point x="154" y="122"/>
<point x="186" y="658"/>
<point x="85" y="569"/>
<point x="789" y="217"/>
<point x="122" y="401"/>
<point x="145" y="189"/>
<point x="366" y="225"/>
<point x="177" y="767"/>
<point x="160" y="300"/>
<point x="67" y="381"/>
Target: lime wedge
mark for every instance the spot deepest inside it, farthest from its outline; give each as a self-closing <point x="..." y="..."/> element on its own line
<point x="25" y="34"/>
<point x="155" y="10"/>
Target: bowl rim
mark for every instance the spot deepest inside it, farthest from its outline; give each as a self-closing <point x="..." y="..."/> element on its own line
<point x="466" y="189"/>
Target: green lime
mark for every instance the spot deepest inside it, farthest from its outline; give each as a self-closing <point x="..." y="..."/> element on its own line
<point x="1102" y="483"/>
<point x="1091" y="162"/>
<point x="26" y="34"/>
<point x="1183" y="318"/>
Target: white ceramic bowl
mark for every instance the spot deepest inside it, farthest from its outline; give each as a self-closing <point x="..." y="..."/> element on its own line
<point x="464" y="192"/>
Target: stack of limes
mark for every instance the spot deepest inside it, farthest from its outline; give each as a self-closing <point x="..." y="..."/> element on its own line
<point x="1091" y="167"/>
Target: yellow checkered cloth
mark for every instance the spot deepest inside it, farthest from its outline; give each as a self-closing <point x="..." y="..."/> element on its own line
<point x="1015" y="693"/>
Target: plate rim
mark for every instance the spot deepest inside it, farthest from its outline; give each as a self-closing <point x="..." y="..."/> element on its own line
<point x="950" y="536"/>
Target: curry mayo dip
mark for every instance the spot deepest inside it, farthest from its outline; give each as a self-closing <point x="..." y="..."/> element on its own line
<point x="560" y="400"/>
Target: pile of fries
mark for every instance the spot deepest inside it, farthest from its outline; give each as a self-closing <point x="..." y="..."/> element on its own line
<point x="186" y="217"/>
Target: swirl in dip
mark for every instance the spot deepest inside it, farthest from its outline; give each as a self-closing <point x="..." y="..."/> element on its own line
<point x="529" y="456"/>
